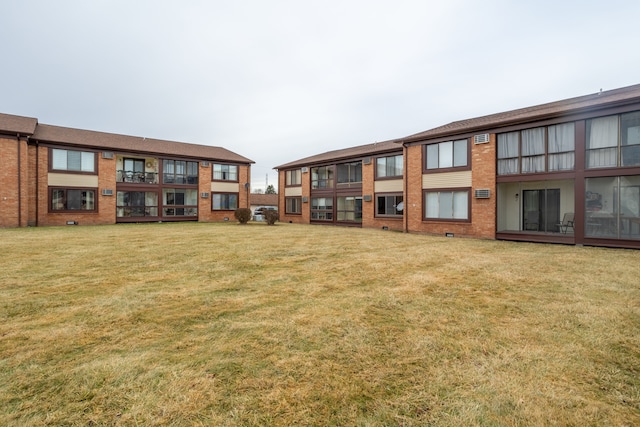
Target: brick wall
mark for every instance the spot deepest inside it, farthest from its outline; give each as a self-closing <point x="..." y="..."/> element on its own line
<point x="483" y="211"/>
<point x="9" y="197"/>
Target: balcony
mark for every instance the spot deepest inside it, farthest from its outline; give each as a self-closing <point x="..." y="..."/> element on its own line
<point x="136" y="177"/>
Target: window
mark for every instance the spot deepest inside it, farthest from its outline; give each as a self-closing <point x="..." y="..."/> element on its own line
<point x="350" y="173"/>
<point x="562" y="143"/>
<point x="389" y="205"/>
<point x="293" y="178"/>
<point x="225" y="172"/>
<point x="322" y="177"/>
<point x="72" y="199"/>
<point x="446" y="155"/>
<point x="532" y="144"/>
<point x="602" y="142"/>
<point x="447" y="204"/>
<point x="179" y="202"/>
<point x="537" y="150"/>
<point x="612" y="207"/>
<point x="74" y="161"/>
<point x="136" y="203"/>
<point x="179" y="172"/>
<point x="390" y="166"/>
<point x="630" y="129"/>
<point x="224" y="201"/>
<point x="322" y="208"/>
<point x="293" y="205"/>
<point x="508" y="153"/>
<point x="349" y="208"/>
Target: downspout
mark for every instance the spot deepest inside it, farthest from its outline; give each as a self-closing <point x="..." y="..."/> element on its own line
<point x="405" y="213"/>
<point x="37" y="181"/>
<point x="19" y="184"/>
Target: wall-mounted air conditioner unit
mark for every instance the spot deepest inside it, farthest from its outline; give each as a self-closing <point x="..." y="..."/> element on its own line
<point x="107" y="192"/>
<point x="367" y="160"/>
<point x="204" y="195"/>
<point x="482" y="138"/>
<point x="204" y="164"/>
<point x="366" y="197"/>
<point x="107" y="154"/>
<point x="305" y="200"/>
<point x="304" y="169"/>
<point x="484" y="193"/>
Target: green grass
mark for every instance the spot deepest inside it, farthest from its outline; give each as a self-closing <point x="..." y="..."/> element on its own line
<point x="230" y="325"/>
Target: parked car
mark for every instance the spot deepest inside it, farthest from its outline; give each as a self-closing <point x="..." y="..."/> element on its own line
<point x="258" y="212"/>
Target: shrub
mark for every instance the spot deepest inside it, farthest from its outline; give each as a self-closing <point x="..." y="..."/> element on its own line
<point x="243" y="215"/>
<point x="271" y="216"/>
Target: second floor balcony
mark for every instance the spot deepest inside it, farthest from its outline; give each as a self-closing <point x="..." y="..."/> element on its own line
<point x="136" y="177"/>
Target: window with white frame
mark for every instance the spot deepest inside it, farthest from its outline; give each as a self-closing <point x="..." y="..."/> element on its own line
<point x="389" y="166"/>
<point x="72" y="160"/>
<point x="447" y="204"/>
<point x="322" y="208"/>
<point x="447" y="155"/>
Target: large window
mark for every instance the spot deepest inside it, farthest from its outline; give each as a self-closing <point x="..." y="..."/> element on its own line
<point x="447" y="155"/>
<point x="447" y="204"/>
<point x="536" y="150"/>
<point x="293" y="178"/>
<point x="322" y="208"/>
<point x="612" y="207"/>
<point x="179" y="202"/>
<point x="390" y="166"/>
<point x="179" y="172"/>
<point x="349" y="208"/>
<point x="613" y="141"/>
<point x="322" y="177"/>
<point x="293" y="205"/>
<point x="350" y="173"/>
<point x="225" y="172"/>
<point x="73" y="161"/>
<point x="389" y="205"/>
<point x="136" y="203"/>
<point x="72" y="199"/>
<point x="224" y="201"/>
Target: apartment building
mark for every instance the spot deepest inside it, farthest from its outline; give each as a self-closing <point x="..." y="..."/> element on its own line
<point x="55" y="175"/>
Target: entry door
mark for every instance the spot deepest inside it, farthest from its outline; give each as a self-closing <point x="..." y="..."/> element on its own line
<point x="541" y="209"/>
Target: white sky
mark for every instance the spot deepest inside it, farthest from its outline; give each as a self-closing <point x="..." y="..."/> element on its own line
<point x="278" y="80"/>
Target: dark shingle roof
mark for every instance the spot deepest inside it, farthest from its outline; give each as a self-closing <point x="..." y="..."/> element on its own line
<point x="343" y="154"/>
<point x="550" y="110"/>
<point x="17" y="124"/>
<point x="102" y="140"/>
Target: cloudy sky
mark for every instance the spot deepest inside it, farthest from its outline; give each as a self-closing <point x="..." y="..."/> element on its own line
<point x="278" y="80"/>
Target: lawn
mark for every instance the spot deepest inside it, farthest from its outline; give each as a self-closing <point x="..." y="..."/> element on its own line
<point x="254" y="325"/>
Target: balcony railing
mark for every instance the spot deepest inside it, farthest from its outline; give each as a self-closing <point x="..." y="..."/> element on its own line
<point x="137" y="177"/>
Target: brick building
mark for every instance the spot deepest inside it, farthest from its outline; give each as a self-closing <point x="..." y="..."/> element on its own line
<point x="562" y="172"/>
<point x="55" y="176"/>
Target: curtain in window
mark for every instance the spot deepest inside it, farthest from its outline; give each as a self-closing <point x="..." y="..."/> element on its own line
<point x="460" y="205"/>
<point x="508" y="153"/>
<point x="432" y="208"/>
<point x="561" y="147"/>
<point x="602" y="142"/>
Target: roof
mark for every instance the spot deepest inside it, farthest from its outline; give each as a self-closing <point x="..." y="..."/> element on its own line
<point x="102" y="140"/>
<point x="263" y="199"/>
<point x="587" y="103"/>
<point x="17" y="124"/>
<point x="343" y="154"/>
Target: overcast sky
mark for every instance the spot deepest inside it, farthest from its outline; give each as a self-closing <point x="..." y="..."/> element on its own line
<point x="278" y="80"/>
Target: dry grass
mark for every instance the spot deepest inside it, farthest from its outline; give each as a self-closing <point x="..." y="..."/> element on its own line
<point x="228" y="325"/>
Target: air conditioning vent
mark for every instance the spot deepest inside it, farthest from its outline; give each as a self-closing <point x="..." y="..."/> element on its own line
<point x="204" y="195"/>
<point x="482" y="138"/>
<point x="205" y="164"/>
<point x="367" y="197"/>
<point x="107" y="192"/>
<point x="367" y="160"/>
<point x="484" y="193"/>
<point x="304" y="169"/>
<point x="107" y="154"/>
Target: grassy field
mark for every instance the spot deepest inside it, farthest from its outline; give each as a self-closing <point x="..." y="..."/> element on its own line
<point x="230" y="325"/>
